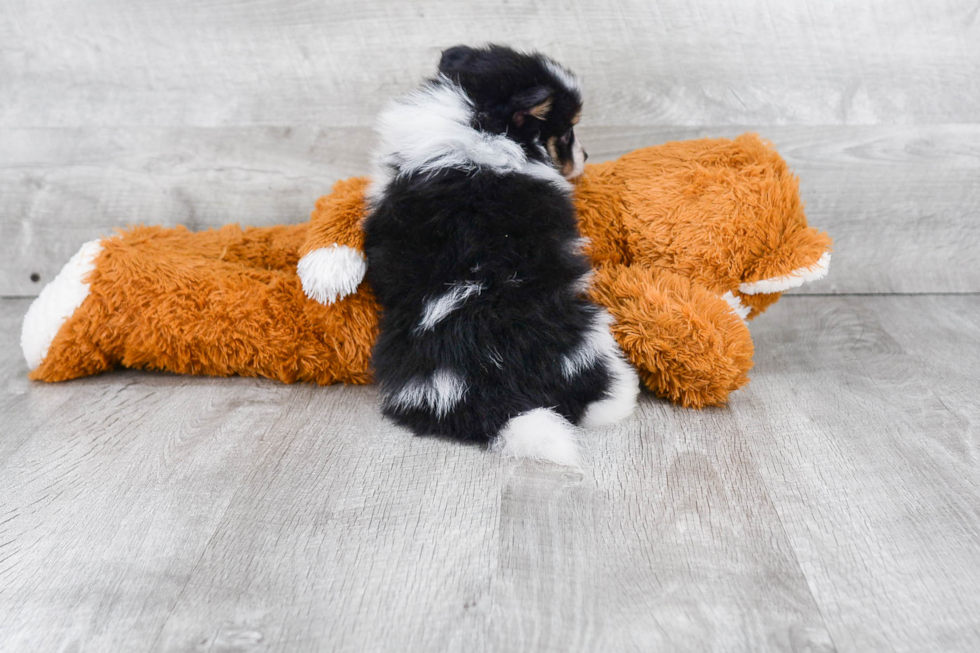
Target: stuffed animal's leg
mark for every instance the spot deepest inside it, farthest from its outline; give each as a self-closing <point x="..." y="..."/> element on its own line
<point x="333" y="263"/>
<point x="219" y="302"/>
<point x="687" y="343"/>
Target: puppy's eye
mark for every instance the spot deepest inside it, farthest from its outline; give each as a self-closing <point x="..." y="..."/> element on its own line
<point x="567" y="137"/>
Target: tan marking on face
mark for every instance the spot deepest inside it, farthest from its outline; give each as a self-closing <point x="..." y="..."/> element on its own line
<point x="552" y="146"/>
<point x="541" y="111"/>
<point x="578" y="116"/>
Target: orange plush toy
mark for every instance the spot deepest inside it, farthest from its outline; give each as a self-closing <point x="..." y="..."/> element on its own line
<point x="687" y="239"/>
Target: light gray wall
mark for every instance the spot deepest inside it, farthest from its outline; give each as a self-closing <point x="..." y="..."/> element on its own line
<point x="200" y="112"/>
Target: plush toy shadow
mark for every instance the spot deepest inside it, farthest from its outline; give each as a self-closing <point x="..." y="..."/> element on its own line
<point x="687" y="239"/>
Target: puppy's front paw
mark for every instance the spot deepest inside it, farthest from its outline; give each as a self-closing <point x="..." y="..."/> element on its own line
<point x="541" y="434"/>
<point x="329" y="274"/>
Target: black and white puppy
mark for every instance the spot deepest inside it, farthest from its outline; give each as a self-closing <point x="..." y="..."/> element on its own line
<point x="474" y="254"/>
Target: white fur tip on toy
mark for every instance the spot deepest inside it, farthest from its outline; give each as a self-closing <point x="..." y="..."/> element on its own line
<point x="56" y="303"/>
<point x="738" y="308"/>
<point x="539" y="434"/>
<point x="794" y="279"/>
<point x="329" y="274"/>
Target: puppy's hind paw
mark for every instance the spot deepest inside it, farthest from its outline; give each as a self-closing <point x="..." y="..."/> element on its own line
<point x="539" y="434"/>
<point x="620" y="400"/>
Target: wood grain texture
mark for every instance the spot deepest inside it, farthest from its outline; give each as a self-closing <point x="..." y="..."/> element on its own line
<point x="204" y="113"/>
<point x="831" y="506"/>
<point x="60" y="188"/>
<point x="291" y="62"/>
<point x="864" y="419"/>
<point x="899" y="201"/>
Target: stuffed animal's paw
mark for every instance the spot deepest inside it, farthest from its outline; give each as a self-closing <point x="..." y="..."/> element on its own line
<point x="687" y="343"/>
<point x="794" y="279"/>
<point x="329" y="274"/>
<point x="56" y="303"/>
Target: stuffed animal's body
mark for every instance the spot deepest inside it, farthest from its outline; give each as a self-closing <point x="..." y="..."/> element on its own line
<point x="687" y="240"/>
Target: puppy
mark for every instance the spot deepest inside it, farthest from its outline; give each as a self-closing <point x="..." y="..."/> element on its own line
<point x="474" y="255"/>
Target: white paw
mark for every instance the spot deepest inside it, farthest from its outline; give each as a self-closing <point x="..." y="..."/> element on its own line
<point x="623" y="392"/>
<point x="329" y="274"/>
<point x="540" y="434"/>
<point x="56" y="303"/>
<point x="794" y="279"/>
<point x="625" y="386"/>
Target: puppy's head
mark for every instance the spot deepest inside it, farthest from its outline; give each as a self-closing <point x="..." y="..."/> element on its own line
<point x="530" y="98"/>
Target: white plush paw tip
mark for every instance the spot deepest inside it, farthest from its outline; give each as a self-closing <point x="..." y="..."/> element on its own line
<point x="794" y="279"/>
<point x="329" y="274"/>
<point x="56" y="303"/>
<point x="738" y="308"/>
<point x="539" y="434"/>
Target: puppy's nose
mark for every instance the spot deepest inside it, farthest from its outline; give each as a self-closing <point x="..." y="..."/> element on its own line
<point x="585" y="155"/>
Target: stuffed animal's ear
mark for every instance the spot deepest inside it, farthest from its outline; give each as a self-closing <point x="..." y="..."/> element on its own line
<point x="532" y="103"/>
<point x="455" y="59"/>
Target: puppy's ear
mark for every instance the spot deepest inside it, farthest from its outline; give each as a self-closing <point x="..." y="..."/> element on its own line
<point x="532" y="103"/>
<point x="455" y="59"/>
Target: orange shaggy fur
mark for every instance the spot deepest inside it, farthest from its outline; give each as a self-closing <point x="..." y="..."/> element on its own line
<point x="672" y="228"/>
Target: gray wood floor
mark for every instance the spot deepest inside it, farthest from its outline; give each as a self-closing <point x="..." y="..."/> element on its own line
<point x="832" y="506"/>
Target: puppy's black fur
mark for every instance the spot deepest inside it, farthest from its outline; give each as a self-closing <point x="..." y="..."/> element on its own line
<point x="498" y="245"/>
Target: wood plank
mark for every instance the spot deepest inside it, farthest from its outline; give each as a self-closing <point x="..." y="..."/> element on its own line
<point x="668" y="542"/>
<point x="348" y="535"/>
<point x="211" y="63"/>
<point x="174" y="513"/>
<point x="900" y="201"/>
<point x="863" y="419"/>
<point x="113" y="489"/>
<point x="61" y="188"/>
<point x="833" y="505"/>
<point x="15" y="399"/>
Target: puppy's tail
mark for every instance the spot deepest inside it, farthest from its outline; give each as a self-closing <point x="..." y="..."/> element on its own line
<point x="539" y="434"/>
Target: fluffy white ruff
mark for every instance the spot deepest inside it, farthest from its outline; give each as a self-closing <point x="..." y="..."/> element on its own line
<point x="738" y="308"/>
<point x="329" y="274"/>
<point x="430" y="129"/>
<point x="794" y="279"/>
<point x="440" y="392"/>
<point x="56" y="303"/>
<point x="437" y="309"/>
<point x="539" y="434"/>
